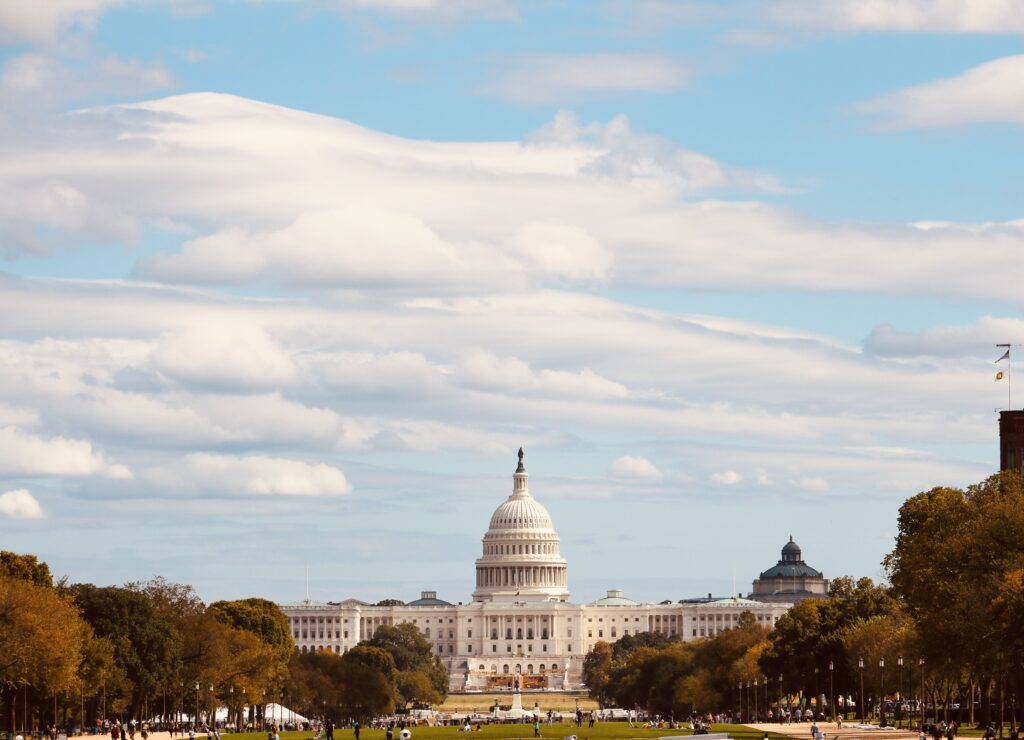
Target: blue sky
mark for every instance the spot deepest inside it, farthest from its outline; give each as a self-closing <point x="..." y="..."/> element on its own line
<point x="288" y="283"/>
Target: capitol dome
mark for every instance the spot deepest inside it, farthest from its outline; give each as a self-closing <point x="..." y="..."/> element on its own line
<point x="521" y="559"/>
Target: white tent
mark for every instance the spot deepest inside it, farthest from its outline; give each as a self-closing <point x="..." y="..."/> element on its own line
<point x="272" y="713"/>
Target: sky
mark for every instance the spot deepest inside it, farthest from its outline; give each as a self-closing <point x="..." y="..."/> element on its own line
<point x="284" y="285"/>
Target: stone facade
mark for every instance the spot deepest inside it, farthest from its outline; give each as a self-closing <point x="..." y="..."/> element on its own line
<point x="791" y="579"/>
<point x="520" y="622"/>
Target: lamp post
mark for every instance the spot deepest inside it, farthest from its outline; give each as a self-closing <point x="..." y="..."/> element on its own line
<point x="739" y="693"/>
<point x="881" y="692"/>
<point x="920" y="663"/>
<point x="756" y="712"/>
<point x="899" y="693"/>
<point x="831" y="691"/>
<point x="213" y="713"/>
<point x="748" y="701"/>
<point x="860" y="664"/>
<point x="195" y="720"/>
<point x="780" y="698"/>
<point x="231" y="702"/>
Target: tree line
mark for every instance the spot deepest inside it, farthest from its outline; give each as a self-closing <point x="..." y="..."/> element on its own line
<point x="947" y="630"/>
<point x="75" y="653"/>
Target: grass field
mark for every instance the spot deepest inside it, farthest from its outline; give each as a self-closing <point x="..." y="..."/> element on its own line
<point x="601" y="731"/>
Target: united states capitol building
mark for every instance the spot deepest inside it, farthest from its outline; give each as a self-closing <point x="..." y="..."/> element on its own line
<point x="521" y="621"/>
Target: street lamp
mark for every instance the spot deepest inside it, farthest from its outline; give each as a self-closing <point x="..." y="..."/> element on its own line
<point x="195" y="720"/>
<point x="213" y="701"/>
<point x="740" y="694"/>
<point x="860" y="664"/>
<point x="780" y="698"/>
<point x="831" y="691"/>
<point x="755" y="700"/>
<point x="920" y="663"/>
<point x="899" y="694"/>
<point x="882" y="692"/>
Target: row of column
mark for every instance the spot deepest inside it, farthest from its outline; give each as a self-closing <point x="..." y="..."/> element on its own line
<point x="539" y="575"/>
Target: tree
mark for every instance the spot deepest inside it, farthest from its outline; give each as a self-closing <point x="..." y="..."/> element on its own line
<point x="26" y="567"/>
<point x="722" y="660"/>
<point x="147" y="650"/>
<point x="41" y="640"/>
<point x="341" y="687"/>
<point x="261" y="617"/>
<point x="412" y="653"/>
<point x="597" y="669"/>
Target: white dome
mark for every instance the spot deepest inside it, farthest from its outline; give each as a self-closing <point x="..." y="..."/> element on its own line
<point x="521" y="558"/>
<point x="521" y="511"/>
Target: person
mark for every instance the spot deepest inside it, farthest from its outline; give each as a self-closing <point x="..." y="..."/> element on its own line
<point x="990" y="732"/>
<point x="329" y="726"/>
<point x="536" y="727"/>
<point x="390" y="734"/>
<point x="814" y="730"/>
<point x="355" y="730"/>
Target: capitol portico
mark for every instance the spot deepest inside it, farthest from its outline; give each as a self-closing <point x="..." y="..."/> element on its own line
<point x="520" y="621"/>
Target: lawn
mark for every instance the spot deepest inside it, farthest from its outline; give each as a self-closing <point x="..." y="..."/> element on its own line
<point x="601" y="731"/>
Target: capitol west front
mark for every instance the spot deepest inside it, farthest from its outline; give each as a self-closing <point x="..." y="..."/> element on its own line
<point x="520" y="621"/>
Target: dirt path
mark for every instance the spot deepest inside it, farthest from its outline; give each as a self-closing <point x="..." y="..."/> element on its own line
<point x="846" y="732"/>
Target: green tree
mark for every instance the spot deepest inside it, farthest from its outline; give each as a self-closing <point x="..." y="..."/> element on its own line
<point x="261" y="617"/>
<point x="147" y="651"/>
<point x="412" y="653"/>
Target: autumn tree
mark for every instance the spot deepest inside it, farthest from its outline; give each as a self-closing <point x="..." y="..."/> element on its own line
<point x="25" y="567"/>
<point x="597" y="669"/>
<point x="41" y="640"/>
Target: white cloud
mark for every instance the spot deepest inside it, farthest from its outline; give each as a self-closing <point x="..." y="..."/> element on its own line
<point x="223" y="354"/>
<point x="42" y="22"/>
<point x="562" y="78"/>
<point x="727" y="477"/>
<point x="20" y="504"/>
<point x="254" y="475"/>
<point x="513" y="375"/>
<point x="586" y="203"/>
<point x="23" y="454"/>
<point x="628" y="466"/>
<point x="439" y="10"/>
<point x="35" y="81"/>
<point x="992" y="92"/>
<point x="340" y="247"/>
<point x="564" y="251"/>
<point x="930" y="16"/>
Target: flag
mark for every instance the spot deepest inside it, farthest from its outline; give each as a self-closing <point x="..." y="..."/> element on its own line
<point x="1006" y="356"/>
<point x="999" y="376"/>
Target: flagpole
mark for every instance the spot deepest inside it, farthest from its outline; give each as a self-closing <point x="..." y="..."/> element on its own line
<point x="1009" y="375"/>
